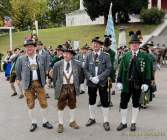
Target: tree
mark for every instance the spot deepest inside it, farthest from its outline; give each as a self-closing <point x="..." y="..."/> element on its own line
<point x="4" y="10"/>
<point x="59" y="8"/>
<point x="123" y="8"/>
<point x="25" y="12"/>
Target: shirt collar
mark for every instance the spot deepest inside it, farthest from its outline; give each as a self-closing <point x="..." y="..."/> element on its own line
<point x="34" y="57"/>
<point x="99" y="52"/>
<point x="65" y="62"/>
<point x="135" y="52"/>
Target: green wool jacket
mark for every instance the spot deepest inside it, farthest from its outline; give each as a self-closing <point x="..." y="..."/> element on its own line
<point x="112" y="58"/>
<point x="143" y="66"/>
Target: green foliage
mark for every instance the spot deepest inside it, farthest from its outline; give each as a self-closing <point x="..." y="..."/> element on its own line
<point x="152" y="16"/>
<point x="5" y="8"/>
<point x="84" y="34"/>
<point x="25" y="12"/>
<point x="121" y="7"/>
<point x="59" y="8"/>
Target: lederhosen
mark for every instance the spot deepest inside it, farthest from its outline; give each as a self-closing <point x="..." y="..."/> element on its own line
<point x="67" y="94"/>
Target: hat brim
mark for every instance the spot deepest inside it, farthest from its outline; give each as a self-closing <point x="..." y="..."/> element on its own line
<point x="30" y="44"/>
<point x="70" y="51"/>
<point x="149" y="44"/>
<point x="130" y="42"/>
<point x="98" y="41"/>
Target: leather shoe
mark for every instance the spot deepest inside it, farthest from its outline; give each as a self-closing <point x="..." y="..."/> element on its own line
<point x="74" y="125"/>
<point x="106" y="126"/>
<point x="21" y="96"/>
<point x="60" y="128"/>
<point x="90" y="122"/>
<point x="14" y="94"/>
<point x="33" y="127"/>
<point x="133" y="127"/>
<point x="121" y="126"/>
<point x="47" y="125"/>
<point x="47" y="95"/>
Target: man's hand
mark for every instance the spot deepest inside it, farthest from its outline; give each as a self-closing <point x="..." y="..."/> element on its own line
<point x="94" y="80"/>
<point x="119" y="86"/>
<point x="51" y="73"/>
<point x="144" y="87"/>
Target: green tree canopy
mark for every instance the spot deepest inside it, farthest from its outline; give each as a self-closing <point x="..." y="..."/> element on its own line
<point x="96" y="8"/>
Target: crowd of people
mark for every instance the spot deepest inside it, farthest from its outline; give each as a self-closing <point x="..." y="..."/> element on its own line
<point x="91" y="69"/>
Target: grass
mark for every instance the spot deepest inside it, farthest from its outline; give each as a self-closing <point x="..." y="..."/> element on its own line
<point x="55" y="36"/>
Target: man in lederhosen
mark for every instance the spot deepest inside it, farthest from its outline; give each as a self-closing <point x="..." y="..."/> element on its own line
<point x="31" y="71"/>
<point x="97" y="70"/>
<point x="67" y="76"/>
<point x="133" y="77"/>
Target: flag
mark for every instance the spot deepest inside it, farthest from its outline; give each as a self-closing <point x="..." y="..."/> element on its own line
<point x="110" y="29"/>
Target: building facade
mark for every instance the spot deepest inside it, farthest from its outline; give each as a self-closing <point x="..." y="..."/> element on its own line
<point x="80" y="17"/>
<point x="160" y="4"/>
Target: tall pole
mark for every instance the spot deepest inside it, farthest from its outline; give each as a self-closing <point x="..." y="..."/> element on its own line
<point x="149" y="4"/>
<point x="159" y="4"/>
<point x="10" y="37"/>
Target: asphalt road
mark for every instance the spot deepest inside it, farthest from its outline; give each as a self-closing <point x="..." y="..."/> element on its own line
<point x="15" y="122"/>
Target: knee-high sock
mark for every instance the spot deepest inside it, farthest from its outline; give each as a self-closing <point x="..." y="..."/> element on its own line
<point x="92" y="111"/>
<point x="44" y="114"/>
<point x="124" y="113"/>
<point x="60" y="116"/>
<point x="13" y="87"/>
<point x="31" y="115"/>
<point x="72" y="115"/>
<point x="134" y="114"/>
<point x="105" y="111"/>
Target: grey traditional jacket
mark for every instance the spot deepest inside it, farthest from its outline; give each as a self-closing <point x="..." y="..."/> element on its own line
<point x="104" y="68"/>
<point x="23" y="70"/>
<point x="78" y="75"/>
<point x="46" y="56"/>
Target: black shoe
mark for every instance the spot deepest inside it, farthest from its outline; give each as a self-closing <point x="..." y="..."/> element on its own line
<point x="106" y="126"/>
<point x="14" y="94"/>
<point x="82" y="92"/>
<point x="33" y="127"/>
<point x="133" y="127"/>
<point x="47" y="95"/>
<point x="90" y="122"/>
<point x="47" y="125"/>
<point x="121" y="127"/>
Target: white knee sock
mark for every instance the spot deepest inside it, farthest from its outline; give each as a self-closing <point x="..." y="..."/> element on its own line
<point x="92" y="111"/>
<point x="105" y="111"/>
<point x="31" y="115"/>
<point x="72" y="115"/>
<point x="124" y="113"/>
<point x="134" y="114"/>
<point x="44" y="114"/>
<point x="60" y="116"/>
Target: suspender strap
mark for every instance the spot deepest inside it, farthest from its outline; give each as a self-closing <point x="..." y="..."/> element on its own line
<point x="67" y="79"/>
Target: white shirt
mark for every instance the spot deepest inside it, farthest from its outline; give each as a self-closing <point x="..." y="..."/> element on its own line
<point x="40" y="51"/>
<point x="96" y="68"/>
<point x="68" y="74"/>
<point x="34" y="66"/>
<point x="135" y="52"/>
